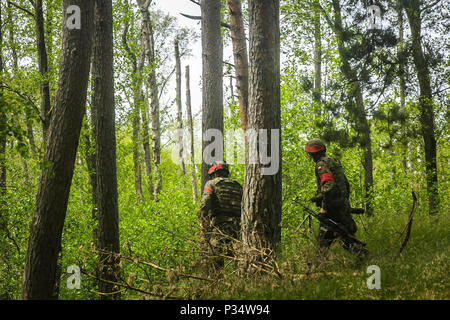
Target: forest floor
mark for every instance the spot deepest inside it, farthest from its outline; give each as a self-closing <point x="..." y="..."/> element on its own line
<point x="160" y="254"/>
<point x="419" y="272"/>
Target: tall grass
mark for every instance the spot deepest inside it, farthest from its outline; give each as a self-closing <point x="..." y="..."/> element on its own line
<point x="419" y="272"/>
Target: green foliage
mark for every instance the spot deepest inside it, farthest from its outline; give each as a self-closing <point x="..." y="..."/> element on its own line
<point x="418" y="273"/>
<point x="166" y="233"/>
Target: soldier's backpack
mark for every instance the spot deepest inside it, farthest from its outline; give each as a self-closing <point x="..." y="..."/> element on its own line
<point x="229" y="196"/>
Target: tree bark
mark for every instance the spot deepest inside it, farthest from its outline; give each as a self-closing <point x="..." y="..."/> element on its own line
<point x="317" y="59"/>
<point x="136" y="153"/>
<point x="43" y="68"/>
<point x="412" y="8"/>
<point x="147" y="36"/>
<point x="2" y="131"/>
<point x="212" y="79"/>
<point x="50" y="29"/>
<point x="261" y="203"/>
<point x="179" y="108"/>
<point x="3" y="137"/>
<point x="30" y="134"/>
<point x="239" y="43"/>
<point x="11" y="38"/>
<point x="144" y="115"/>
<point x="146" y="144"/>
<point x="191" y="134"/>
<point x="55" y="180"/>
<point x="137" y="101"/>
<point x="402" y="82"/>
<point x="90" y="156"/>
<point x="400" y="54"/>
<point x="45" y="102"/>
<point x="103" y="99"/>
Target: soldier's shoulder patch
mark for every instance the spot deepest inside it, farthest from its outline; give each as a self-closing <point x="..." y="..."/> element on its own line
<point x="209" y="186"/>
<point x="206" y="189"/>
<point x="320" y="167"/>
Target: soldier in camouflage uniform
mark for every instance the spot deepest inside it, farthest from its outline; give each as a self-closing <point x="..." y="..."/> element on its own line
<point x="332" y="197"/>
<point x="220" y="213"/>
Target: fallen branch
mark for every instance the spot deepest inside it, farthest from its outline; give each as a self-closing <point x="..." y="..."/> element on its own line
<point x="178" y="274"/>
<point x="408" y="225"/>
<point x="267" y="257"/>
<point x="129" y="287"/>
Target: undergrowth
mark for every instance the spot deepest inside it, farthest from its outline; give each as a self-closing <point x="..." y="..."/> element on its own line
<point x="419" y="272"/>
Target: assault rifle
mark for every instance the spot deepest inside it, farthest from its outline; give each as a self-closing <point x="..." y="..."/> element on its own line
<point x="333" y="225"/>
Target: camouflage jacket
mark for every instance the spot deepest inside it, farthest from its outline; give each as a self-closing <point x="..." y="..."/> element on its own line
<point x="333" y="189"/>
<point x="221" y="201"/>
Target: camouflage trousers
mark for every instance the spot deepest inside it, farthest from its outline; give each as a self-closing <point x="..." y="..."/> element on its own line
<point x="221" y="242"/>
<point x="326" y="237"/>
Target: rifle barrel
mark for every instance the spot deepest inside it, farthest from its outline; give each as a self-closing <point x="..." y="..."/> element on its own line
<point x="356" y="210"/>
<point x="330" y="223"/>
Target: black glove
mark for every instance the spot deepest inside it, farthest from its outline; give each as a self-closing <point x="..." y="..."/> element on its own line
<point x="317" y="200"/>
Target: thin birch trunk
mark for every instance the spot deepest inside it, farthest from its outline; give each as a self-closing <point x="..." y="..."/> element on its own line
<point x="147" y="37"/>
<point x="179" y="108"/>
<point x="191" y="134"/>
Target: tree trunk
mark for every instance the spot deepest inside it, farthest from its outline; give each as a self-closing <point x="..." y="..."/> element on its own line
<point x="239" y="43"/>
<point x="30" y="134"/>
<point x="3" y="138"/>
<point x="261" y="203"/>
<point x="402" y="82"/>
<point x="136" y="153"/>
<point x="212" y="80"/>
<point x="55" y="180"/>
<point x="191" y="134"/>
<point x="144" y="115"/>
<point x="400" y="53"/>
<point x="147" y="36"/>
<point x="2" y="131"/>
<point x="103" y="99"/>
<point x="43" y="68"/>
<point x="412" y="9"/>
<point x="45" y="102"/>
<point x="11" y="38"/>
<point x="179" y="108"/>
<point x="137" y="94"/>
<point x="50" y="29"/>
<point x="317" y="59"/>
<point x="92" y="171"/>
<point x="146" y="144"/>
